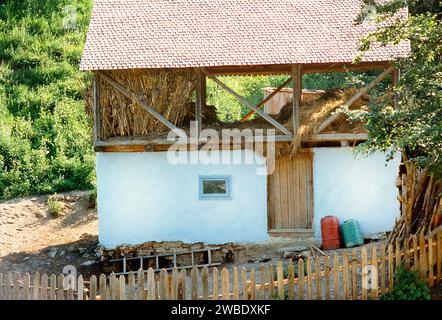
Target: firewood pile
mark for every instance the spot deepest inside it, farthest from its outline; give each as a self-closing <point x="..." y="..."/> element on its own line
<point x="420" y="194"/>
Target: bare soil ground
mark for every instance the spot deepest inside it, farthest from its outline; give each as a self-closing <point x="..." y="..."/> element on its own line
<point x="32" y="240"/>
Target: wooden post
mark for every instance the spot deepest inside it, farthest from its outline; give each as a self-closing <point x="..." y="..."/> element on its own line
<point x="336" y="288"/>
<point x="280" y="278"/>
<point x="252" y="284"/>
<point x="80" y="288"/>
<point x="382" y="269"/>
<point x="291" y="285"/>
<point x="364" y="283"/>
<point x="225" y="286"/>
<point x="422" y="256"/>
<point x="131" y="286"/>
<point x="244" y="284"/>
<point x="262" y="282"/>
<point x="122" y="287"/>
<point x="60" y="288"/>
<point x="92" y="287"/>
<point x="26" y="286"/>
<point x="44" y="286"/>
<point x="309" y="279"/>
<point x="390" y="267"/>
<point x="35" y="284"/>
<point x="318" y="279"/>
<point x="215" y="283"/>
<point x="140" y="284"/>
<point x="374" y="273"/>
<point x="301" y="279"/>
<point x="327" y="277"/>
<point x="416" y="266"/>
<point x="439" y="256"/>
<point x="205" y="281"/>
<point x="182" y="285"/>
<point x="151" y="294"/>
<point x="430" y="262"/>
<point x="194" y="278"/>
<point x="271" y="282"/>
<point x="345" y="282"/>
<point x="297" y="96"/>
<point x="96" y="108"/>
<point x="200" y="102"/>
<point x="235" y="284"/>
<point x="164" y="285"/>
<point x="354" y="274"/>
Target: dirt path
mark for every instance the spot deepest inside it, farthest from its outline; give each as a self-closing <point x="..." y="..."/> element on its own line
<point x="31" y="239"/>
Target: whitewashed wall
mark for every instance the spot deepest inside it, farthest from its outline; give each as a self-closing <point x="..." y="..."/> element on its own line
<point x="361" y="188"/>
<point x="141" y="197"/>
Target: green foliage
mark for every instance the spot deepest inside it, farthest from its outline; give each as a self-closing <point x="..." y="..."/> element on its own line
<point x="285" y="270"/>
<point x="55" y="207"/>
<point x="415" y="125"/>
<point x="45" y="133"/>
<point x="407" y="286"/>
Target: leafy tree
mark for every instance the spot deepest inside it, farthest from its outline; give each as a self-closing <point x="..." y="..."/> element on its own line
<point x="414" y="126"/>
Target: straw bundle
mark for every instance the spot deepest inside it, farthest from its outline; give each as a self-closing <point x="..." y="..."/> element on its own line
<point x="167" y="91"/>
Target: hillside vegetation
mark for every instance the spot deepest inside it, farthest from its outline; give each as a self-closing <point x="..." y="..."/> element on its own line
<point x="45" y="133"/>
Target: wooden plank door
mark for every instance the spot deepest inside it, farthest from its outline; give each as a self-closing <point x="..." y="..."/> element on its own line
<point x="290" y="193"/>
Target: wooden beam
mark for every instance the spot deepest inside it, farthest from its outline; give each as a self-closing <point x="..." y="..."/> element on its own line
<point x="297" y="94"/>
<point x="353" y="99"/>
<point x="96" y="107"/>
<point x="323" y="137"/>
<point x="128" y="93"/>
<point x="248" y="104"/>
<point x="200" y="100"/>
<point x="266" y="99"/>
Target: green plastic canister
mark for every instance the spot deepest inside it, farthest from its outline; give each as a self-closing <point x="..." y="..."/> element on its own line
<point x="351" y="234"/>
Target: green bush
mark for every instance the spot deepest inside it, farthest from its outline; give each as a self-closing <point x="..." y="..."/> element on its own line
<point x="55" y="207"/>
<point x="407" y="286"/>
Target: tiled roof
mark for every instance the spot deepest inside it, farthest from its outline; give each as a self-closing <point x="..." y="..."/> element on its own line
<point x="130" y="34"/>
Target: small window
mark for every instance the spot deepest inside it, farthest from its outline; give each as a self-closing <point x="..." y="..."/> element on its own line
<point x="214" y="187"/>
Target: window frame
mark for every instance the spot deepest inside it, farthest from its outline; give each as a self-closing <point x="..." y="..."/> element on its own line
<point x="215" y="196"/>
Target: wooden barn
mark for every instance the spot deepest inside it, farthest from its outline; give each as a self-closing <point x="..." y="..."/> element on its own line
<point x="279" y="173"/>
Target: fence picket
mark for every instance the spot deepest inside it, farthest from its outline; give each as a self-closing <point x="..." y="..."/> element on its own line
<point x="215" y="284"/>
<point x="309" y="279"/>
<point x="327" y="277"/>
<point x="44" y="286"/>
<point x="205" y="282"/>
<point x="364" y="283"/>
<point x="16" y="286"/>
<point x="318" y="279"/>
<point x="271" y="283"/>
<point x="194" y="280"/>
<point x="236" y="283"/>
<point x="102" y="287"/>
<point x="301" y="279"/>
<point x="390" y="267"/>
<point x="108" y="294"/>
<point x="122" y="287"/>
<point x="35" y="286"/>
<point x="345" y="284"/>
<point x="398" y="253"/>
<point x="131" y="286"/>
<point x="80" y="288"/>
<point x="60" y="289"/>
<point x="140" y="284"/>
<point x="252" y="284"/>
<point x="280" y="279"/>
<point x="354" y="275"/>
<point x="374" y="273"/>
<point x="93" y="288"/>
<point x="53" y="289"/>
<point x="406" y="251"/>
<point x="112" y="287"/>
<point x="382" y="268"/>
<point x="336" y="295"/>
<point x="245" y="293"/>
<point x="164" y="287"/>
<point x="225" y="287"/>
<point x="262" y="282"/>
<point x="430" y="262"/>
<point x="291" y="284"/>
<point x="151" y="292"/>
<point x="26" y="286"/>
<point x="422" y="256"/>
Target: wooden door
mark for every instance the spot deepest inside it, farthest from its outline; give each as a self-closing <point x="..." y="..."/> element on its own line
<point x="290" y="194"/>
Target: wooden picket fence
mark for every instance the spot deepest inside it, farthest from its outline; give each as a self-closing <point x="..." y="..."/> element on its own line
<point x="359" y="274"/>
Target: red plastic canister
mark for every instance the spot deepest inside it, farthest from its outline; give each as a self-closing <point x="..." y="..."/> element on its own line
<point x="331" y="238"/>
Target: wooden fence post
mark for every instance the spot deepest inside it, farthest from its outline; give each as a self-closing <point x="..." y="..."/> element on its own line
<point x="215" y="294"/>
<point x="252" y="284"/>
<point x="422" y="256"/>
<point x="382" y="268"/>
<point x="44" y="286"/>
<point x="35" y="286"/>
<point x="194" y="280"/>
<point x="301" y="279"/>
<point x="26" y="286"/>
<point x="235" y="283"/>
<point x="318" y="278"/>
<point x="354" y="274"/>
<point x="271" y="283"/>
<point x="416" y="264"/>
<point x="262" y="282"/>
<point x="131" y="286"/>
<point x="93" y="287"/>
<point x="309" y="279"/>
<point x="364" y="283"/>
<point x="164" y="288"/>
<point x="205" y="283"/>
<point x="291" y="280"/>
<point x="280" y="279"/>
<point x="374" y="273"/>
<point x="122" y="287"/>
<point x="140" y="285"/>
<point x="245" y="292"/>
<point x="439" y="256"/>
<point x="60" y="289"/>
<point x="345" y="282"/>
<point x="430" y="262"/>
<point x="327" y="278"/>
<point x="80" y="288"/>
<point x="151" y="292"/>
<point x="225" y="287"/>
<point x="390" y="267"/>
<point x="336" y="295"/>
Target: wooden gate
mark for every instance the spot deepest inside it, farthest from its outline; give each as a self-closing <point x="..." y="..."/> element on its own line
<point x="290" y="195"/>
